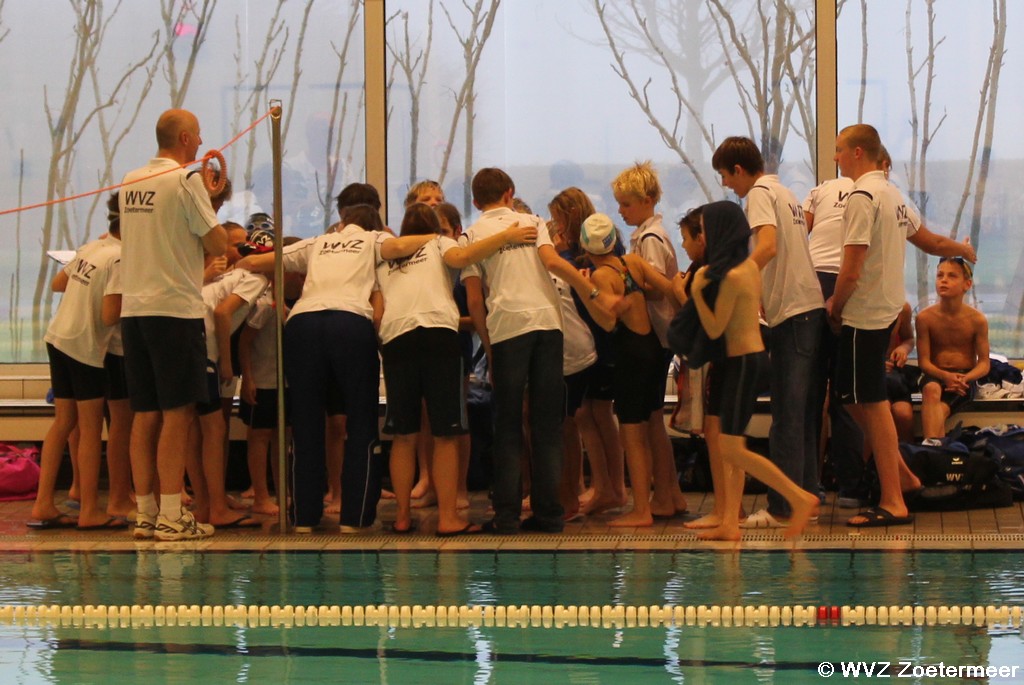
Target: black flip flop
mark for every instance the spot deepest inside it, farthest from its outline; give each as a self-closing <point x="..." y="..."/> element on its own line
<point x="112" y="523"/>
<point x="58" y="521"/>
<point x="879" y="517"/>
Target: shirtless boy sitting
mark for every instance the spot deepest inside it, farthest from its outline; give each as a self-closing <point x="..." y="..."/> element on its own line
<point x="952" y="347"/>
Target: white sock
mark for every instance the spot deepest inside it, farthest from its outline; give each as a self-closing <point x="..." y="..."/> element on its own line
<point x="170" y="506"/>
<point x="146" y="504"/>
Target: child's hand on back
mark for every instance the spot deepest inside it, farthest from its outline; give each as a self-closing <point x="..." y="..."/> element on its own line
<point x="520" y="235"/>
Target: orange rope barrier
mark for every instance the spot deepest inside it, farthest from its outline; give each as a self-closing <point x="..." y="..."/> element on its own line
<point x="204" y="160"/>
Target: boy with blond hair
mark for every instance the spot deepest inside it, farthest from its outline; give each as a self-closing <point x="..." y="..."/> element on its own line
<point x="952" y="347"/>
<point x="637" y="191"/>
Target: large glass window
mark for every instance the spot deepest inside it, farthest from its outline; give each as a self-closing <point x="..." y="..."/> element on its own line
<point x="570" y="93"/>
<point x="939" y="81"/>
<point x="86" y="81"/>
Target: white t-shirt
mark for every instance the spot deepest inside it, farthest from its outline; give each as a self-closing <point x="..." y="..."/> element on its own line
<point x="163" y="220"/>
<point x="339" y="270"/>
<point x="788" y="283"/>
<point x="417" y="290"/>
<point x="520" y="297"/>
<point x="651" y="243"/>
<point x="264" y="344"/>
<point x="877" y="216"/>
<point x="77" y="328"/>
<point x="827" y="202"/>
<point x="248" y="286"/>
<point x="578" y="351"/>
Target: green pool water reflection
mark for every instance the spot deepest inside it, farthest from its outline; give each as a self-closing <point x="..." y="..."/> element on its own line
<point x="52" y="654"/>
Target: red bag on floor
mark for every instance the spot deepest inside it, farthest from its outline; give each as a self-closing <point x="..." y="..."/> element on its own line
<point x="19" y="472"/>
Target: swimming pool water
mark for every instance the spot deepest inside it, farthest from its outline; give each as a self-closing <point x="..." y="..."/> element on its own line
<point x="52" y="654"/>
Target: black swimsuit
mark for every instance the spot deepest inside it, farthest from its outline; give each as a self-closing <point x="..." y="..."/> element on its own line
<point x="638" y="382"/>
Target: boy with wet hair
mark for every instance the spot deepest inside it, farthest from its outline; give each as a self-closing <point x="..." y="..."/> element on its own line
<point x="726" y="293"/>
<point x="637" y="191"/>
<point x="952" y="344"/>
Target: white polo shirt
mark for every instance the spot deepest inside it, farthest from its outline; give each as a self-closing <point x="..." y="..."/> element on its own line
<point x="827" y="202"/>
<point x="339" y="270"/>
<point x="247" y="285"/>
<point x="877" y="216"/>
<point x="417" y="290"/>
<point x="520" y="296"/>
<point x="163" y="220"/>
<point x="77" y="328"/>
<point x="788" y="283"/>
<point x="651" y="243"/>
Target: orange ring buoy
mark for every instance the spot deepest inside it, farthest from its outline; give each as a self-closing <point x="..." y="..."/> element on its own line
<point x="214" y="187"/>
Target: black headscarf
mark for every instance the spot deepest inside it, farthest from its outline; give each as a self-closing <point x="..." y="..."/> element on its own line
<point x="727" y="236"/>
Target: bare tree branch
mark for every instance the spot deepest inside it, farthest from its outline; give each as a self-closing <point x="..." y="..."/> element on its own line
<point x="174" y="21"/>
<point x="481" y="22"/>
<point x="339" y="114"/>
<point x="414" y="69"/>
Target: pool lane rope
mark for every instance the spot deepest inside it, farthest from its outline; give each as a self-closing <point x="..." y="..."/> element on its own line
<point x="522" y="616"/>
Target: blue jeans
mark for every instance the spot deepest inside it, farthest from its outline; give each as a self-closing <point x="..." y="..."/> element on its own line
<point x="797" y="372"/>
<point x="529" y="363"/>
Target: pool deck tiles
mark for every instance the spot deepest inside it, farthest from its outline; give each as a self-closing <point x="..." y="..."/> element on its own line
<point x="983" y="529"/>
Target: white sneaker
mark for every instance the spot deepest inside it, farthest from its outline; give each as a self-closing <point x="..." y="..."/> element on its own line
<point x="145" y="526"/>
<point x="185" y="528"/>
<point x="763" y="519"/>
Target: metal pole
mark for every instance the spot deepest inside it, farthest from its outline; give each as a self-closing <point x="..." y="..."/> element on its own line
<point x="282" y="441"/>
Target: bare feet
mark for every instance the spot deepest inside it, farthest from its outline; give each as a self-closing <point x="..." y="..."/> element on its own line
<point x="387" y="494"/>
<point x="331" y="507"/>
<point x="722" y="532"/>
<point x="600" y="503"/>
<point x="462" y="502"/>
<point x="421" y="489"/>
<point x="587" y="495"/>
<point x="238" y="503"/>
<point x="267" y="507"/>
<point x="801" y="514"/>
<point x="633" y="519"/>
<point x="704" y="522"/>
<point x="428" y="500"/>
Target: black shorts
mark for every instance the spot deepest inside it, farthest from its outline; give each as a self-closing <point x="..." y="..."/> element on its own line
<point x="424" y="364"/>
<point x="602" y="382"/>
<point x="949" y="398"/>
<point x="117" y="382"/>
<point x="73" y="380"/>
<point x="732" y="390"/>
<point x="165" y="361"/>
<point x="212" y="401"/>
<point x="860" y="365"/>
<point x="901" y="383"/>
<point x="263" y="414"/>
<point x="639" y="378"/>
<point x="576" y="386"/>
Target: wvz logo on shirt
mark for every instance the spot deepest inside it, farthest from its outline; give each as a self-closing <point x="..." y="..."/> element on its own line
<point x="841" y="202"/>
<point x="338" y="246"/>
<point x="138" y="201"/>
<point x="798" y="215"/>
<point x="418" y="257"/>
<point x="83" y="272"/>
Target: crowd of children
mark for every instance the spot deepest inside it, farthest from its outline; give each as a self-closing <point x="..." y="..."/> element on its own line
<point x="578" y="333"/>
